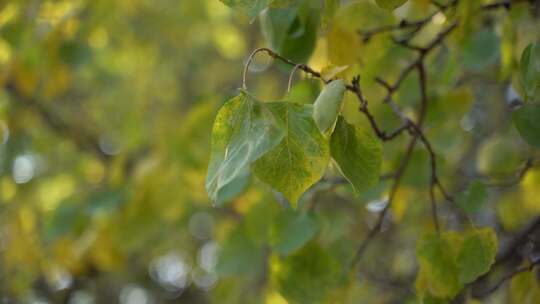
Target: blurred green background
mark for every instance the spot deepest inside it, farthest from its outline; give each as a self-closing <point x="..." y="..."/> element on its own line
<point x="106" y="111"/>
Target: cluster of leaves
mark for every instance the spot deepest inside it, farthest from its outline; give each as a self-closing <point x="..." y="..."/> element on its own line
<point x="419" y="183"/>
<point x="288" y="145"/>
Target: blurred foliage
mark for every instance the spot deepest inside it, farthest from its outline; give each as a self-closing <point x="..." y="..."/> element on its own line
<point x="106" y="115"/>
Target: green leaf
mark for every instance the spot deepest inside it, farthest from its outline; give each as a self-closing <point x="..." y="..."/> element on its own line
<point x="527" y="121"/>
<point x="308" y="275"/>
<point x="275" y="26"/>
<point x="474" y="198"/>
<point x="358" y="154"/>
<point x="438" y="266"/>
<point x="301" y="157"/>
<point x="243" y="131"/>
<point x="240" y="255"/>
<point x="529" y="71"/>
<point x="390" y="4"/>
<point x="250" y="7"/>
<point x="302" y="36"/>
<point x="292" y="230"/>
<point x="450" y="260"/>
<point x="291" y="31"/>
<point x="477" y="254"/>
<point x="328" y="105"/>
<point x="480" y="50"/>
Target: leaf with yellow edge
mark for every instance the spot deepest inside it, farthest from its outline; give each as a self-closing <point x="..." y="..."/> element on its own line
<point x="450" y="260"/>
<point x="301" y="157"/>
<point x="439" y="272"/>
<point x="477" y="254"/>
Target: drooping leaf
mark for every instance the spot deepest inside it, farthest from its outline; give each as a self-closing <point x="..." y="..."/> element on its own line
<point x="390" y="4"/>
<point x="357" y="153"/>
<point x="439" y="272"/>
<point x="292" y="230"/>
<point x="529" y="70"/>
<point x="250" y="7"/>
<point x="301" y="157"/>
<point x="477" y="254"/>
<point x="308" y="275"/>
<point x="474" y="198"/>
<point x="328" y="105"/>
<point x="244" y="130"/>
<point x="527" y="122"/>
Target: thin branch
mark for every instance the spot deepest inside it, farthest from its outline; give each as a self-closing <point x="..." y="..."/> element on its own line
<point x="424" y="100"/>
<point x="507" y="277"/>
<point x="353" y="87"/>
<point x="364" y="109"/>
<point x="380" y="219"/>
<point x="291" y="75"/>
<point x="275" y="55"/>
<point x="417" y="25"/>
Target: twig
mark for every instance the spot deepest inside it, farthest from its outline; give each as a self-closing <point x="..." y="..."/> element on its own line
<point x="291" y="75"/>
<point x="275" y="55"/>
<point x="353" y="87"/>
<point x="508" y="277"/>
<point x="380" y="219"/>
<point x="417" y="25"/>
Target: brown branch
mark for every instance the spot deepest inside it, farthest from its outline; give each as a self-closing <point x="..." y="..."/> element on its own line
<point x="416" y="133"/>
<point x="364" y="109"/>
<point x="424" y="100"/>
<point x="507" y="277"/>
